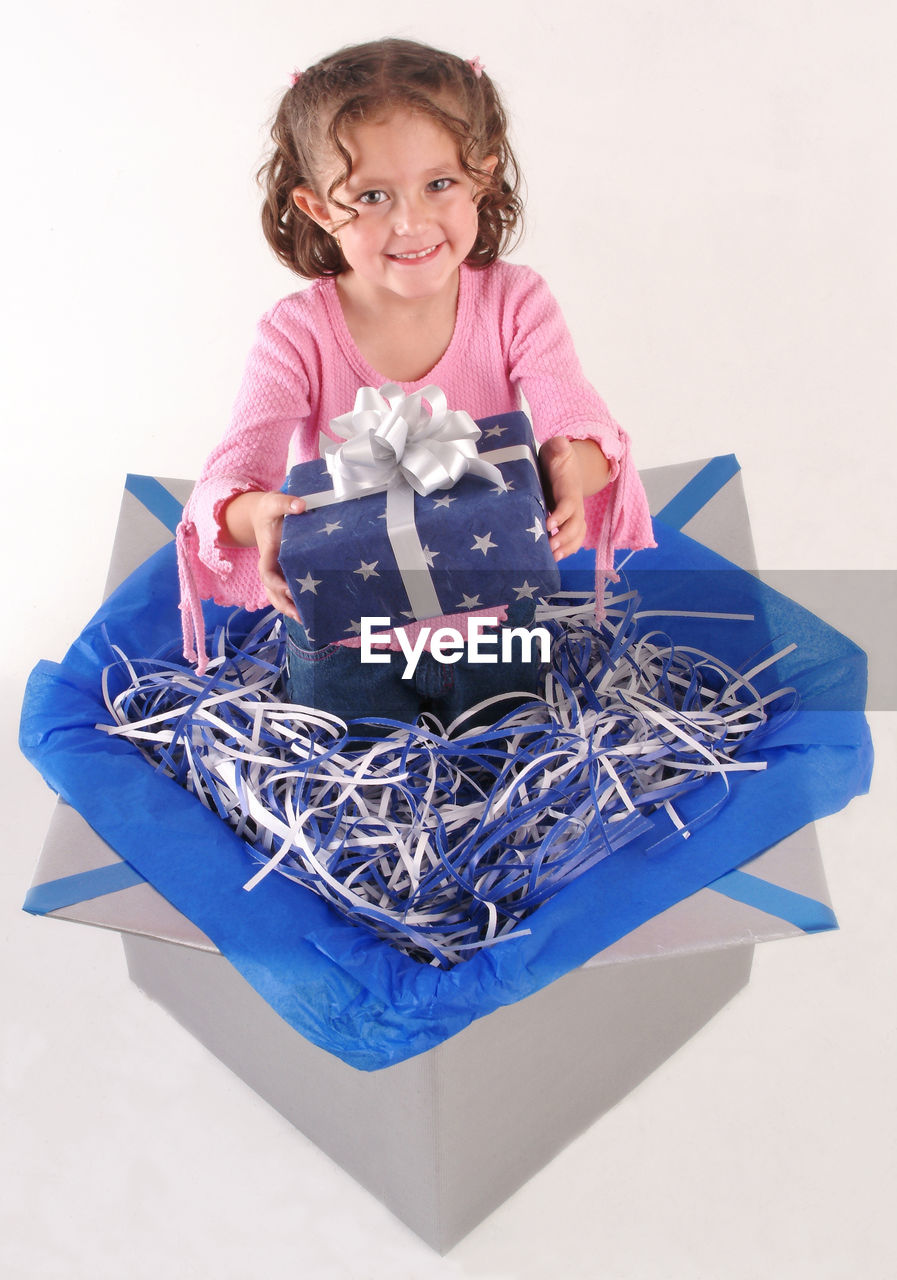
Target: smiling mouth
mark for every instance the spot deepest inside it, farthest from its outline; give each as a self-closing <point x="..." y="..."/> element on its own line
<point x="419" y="256"/>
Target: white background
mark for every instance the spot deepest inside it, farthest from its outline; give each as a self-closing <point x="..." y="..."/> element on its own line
<point x="711" y="196"/>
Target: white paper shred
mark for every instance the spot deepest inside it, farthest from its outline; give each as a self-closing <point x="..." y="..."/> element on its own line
<point x="442" y="839"/>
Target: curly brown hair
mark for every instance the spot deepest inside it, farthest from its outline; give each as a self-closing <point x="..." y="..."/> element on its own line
<point x="364" y="82"/>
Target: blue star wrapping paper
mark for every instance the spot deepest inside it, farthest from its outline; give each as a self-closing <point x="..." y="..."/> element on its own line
<point x="406" y="555"/>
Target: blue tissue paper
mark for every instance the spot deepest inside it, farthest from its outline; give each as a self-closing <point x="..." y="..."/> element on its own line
<point x="336" y="983"/>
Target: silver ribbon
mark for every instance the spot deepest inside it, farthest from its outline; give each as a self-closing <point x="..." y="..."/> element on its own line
<point x="393" y="438"/>
<point x="394" y="444"/>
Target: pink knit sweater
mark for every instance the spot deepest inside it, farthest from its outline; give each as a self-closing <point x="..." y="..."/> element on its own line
<point x="304" y="369"/>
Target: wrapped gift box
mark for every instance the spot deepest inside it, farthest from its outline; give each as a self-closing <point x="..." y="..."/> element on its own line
<point x="471" y="546"/>
<point x="461" y="1147"/>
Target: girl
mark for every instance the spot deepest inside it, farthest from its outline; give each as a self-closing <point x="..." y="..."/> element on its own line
<point x="393" y="186"/>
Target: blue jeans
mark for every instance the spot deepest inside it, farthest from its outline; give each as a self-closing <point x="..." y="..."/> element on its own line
<point x="334" y="679"/>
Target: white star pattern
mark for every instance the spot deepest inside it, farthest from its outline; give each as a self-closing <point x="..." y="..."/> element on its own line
<point x="525" y="592"/>
<point x="308" y="583"/>
<point x="483" y="543"/>
<point x="429" y="555"/>
<point x="331" y="526"/>
<point x="536" y="529"/>
<point x="495" y="431"/>
<point x="368" y="570"/>
<point x="444" y="502"/>
<point x="354" y="627"/>
<point x="469" y="602"/>
<point x="507" y="487"/>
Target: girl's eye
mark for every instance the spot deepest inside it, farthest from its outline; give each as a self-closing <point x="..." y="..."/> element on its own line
<point x="441" y="184"/>
<point x="372" y="197"/>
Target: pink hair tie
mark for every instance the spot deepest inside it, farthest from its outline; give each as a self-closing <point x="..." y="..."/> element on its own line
<point x="295" y="77"/>
<point x="476" y="66"/>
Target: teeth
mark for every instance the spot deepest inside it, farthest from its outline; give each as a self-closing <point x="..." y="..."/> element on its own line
<point x="421" y="254"/>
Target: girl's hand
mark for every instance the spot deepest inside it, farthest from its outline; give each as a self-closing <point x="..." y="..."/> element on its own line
<point x="562" y="477"/>
<point x="571" y="471"/>
<point x="256" y="518"/>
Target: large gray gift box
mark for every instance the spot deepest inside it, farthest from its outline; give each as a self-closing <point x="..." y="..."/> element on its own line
<point x="477" y="1117"/>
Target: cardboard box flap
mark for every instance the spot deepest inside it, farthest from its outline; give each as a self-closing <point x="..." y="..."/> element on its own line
<point x="92" y="885"/>
<point x="781" y="894"/>
<point x="150" y="510"/>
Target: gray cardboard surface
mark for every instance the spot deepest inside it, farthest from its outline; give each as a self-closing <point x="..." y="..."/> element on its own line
<point x="139" y="533"/>
<point x="560" y="1058"/>
<point x="70" y="847"/>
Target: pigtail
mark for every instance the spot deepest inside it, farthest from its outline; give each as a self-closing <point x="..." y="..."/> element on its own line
<point x="501" y="206"/>
<point x="296" y="239"/>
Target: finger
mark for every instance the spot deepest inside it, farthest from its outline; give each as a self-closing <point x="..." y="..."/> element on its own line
<point x="278" y="594"/>
<point x="569" y="539"/>
<point x="558" y="519"/>
<point x="277" y="505"/>
<point x="556" y="449"/>
<point x="270" y="531"/>
<point x="563" y="449"/>
<point x="564" y="510"/>
<point x="272" y="577"/>
<point x="271" y="574"/>
<point x="268" y="526"/>
<point x="283" y="604"/>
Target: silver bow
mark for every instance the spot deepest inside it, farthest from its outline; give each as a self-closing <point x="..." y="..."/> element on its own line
<point x="391" y="438"/>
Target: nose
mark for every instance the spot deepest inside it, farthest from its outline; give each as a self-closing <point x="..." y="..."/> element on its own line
<point x="410" y="215"/>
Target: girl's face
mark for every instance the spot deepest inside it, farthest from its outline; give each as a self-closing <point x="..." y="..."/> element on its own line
<point x="416" y="208"/>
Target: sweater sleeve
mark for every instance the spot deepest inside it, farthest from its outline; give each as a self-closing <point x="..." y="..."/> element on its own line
<point x="543" y="363"/>
<point x="272" y="404"/>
